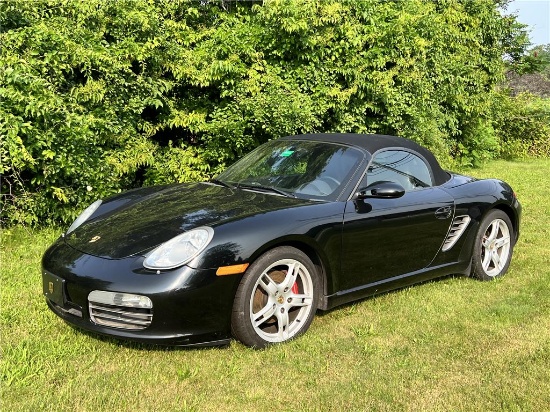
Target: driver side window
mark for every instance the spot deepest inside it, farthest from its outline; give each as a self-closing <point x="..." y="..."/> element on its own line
<point x="398" y="166"/>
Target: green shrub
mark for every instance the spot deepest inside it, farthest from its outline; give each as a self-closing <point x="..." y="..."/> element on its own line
<point x="98" y="96"/>
<point x="523" y="126"/>
<point x="478" y="143"/>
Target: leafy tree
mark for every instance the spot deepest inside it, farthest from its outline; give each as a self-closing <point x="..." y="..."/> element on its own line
<point x="97" y="97"/>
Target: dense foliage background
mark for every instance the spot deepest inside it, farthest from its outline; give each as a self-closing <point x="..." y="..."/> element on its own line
<point x="97" y="96"/>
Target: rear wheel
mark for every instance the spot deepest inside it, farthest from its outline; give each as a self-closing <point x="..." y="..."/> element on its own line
<point x="493" y="247"/>
<point x="276" y="299"/>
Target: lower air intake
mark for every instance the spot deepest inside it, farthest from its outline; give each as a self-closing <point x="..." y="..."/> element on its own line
<point x="121" y="311"/>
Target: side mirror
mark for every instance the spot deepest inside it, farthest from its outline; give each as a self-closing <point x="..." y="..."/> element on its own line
<point x="381" y="190"/>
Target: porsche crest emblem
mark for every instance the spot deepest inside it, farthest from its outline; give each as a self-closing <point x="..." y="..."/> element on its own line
<point x="94" y="239"/>
<point x="50" y="287"/>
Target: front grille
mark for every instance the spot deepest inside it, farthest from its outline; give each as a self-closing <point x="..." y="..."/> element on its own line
<point x="120" y="317"/>
<point x="460" y="223"/>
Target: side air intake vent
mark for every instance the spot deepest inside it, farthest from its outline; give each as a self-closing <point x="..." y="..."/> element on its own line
<point x="460" y="223"/>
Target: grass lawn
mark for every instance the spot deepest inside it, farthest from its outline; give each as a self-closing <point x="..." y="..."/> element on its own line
<point x="451" y="344"/>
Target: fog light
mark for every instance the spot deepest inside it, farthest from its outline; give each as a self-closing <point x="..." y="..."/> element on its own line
<point x="128" y="300"/>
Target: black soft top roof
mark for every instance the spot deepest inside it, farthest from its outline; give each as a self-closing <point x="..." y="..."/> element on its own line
<point x="375" y="142"/>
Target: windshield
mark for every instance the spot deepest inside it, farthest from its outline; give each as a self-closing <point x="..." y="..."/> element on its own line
<point x="304" y="169"/>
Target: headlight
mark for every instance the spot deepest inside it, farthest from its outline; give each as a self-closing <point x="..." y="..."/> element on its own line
<point x="179" y="250"/>
<point x="89" y="211"/>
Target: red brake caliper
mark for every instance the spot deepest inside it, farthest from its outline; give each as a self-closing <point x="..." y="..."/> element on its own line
<point x="294" y="288"/>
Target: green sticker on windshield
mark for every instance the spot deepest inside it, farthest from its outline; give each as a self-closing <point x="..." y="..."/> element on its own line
<point x="287" y="153"/>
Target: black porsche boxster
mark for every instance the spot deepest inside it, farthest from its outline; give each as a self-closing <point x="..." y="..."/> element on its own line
<point x="301" y="224"/>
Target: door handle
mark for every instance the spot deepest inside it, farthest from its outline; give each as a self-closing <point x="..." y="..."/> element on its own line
<point x="444" y="212"/>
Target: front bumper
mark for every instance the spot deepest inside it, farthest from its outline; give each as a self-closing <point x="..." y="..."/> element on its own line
<point x="190" y="306"/>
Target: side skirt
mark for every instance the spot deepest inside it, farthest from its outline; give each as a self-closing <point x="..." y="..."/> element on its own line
<point x="396" y="282"/>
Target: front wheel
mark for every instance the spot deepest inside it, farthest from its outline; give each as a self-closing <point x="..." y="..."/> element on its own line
<point x="493" y="247"/>
<point x="276" y="299"/>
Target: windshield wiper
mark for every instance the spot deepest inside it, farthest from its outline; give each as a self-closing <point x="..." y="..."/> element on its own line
<point x="265" y="188"/>
<point x="219" y="182"/>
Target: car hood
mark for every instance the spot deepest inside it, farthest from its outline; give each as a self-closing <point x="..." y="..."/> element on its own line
<point x="146" y="220"/>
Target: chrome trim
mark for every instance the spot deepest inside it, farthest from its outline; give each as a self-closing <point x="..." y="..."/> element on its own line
<point x="120" y="317"/>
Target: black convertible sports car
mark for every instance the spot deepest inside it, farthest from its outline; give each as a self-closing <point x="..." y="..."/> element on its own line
<point x="301" y="223"/>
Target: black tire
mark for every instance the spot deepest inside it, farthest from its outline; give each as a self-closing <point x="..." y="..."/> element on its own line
<point x="493" y="246"/>
<point x="273" y="303"/>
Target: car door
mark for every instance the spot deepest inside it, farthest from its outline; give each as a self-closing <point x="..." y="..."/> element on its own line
<point x="384" y="238"/>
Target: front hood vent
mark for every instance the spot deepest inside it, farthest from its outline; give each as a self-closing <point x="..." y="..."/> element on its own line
<point x="460" y="223"/>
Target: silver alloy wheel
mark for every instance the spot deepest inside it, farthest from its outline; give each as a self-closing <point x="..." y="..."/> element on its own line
<point x="495" y="247"/>
<point x="281" y="301"/>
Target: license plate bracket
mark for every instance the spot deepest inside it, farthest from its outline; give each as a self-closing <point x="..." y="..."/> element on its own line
<point x="54" y="288"/>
